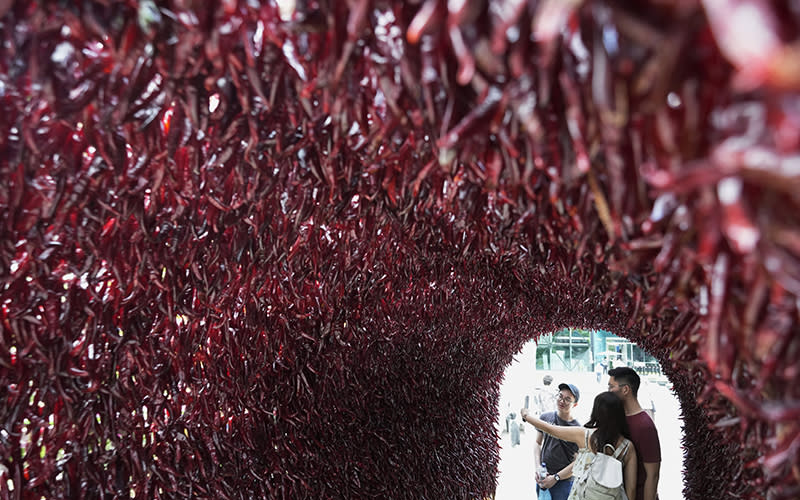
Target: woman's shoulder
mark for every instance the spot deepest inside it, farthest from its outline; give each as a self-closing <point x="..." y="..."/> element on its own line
<point x="587" y="433"/>
<point x="624" y="445"/>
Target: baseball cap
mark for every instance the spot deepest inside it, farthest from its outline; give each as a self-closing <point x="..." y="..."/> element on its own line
<point x="571" y="388"/>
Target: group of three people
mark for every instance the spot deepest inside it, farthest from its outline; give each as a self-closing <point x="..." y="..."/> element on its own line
<point x="617" y="419"/>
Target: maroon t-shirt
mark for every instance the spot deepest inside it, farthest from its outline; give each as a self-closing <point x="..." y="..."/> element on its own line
<point x="648" y="448"/>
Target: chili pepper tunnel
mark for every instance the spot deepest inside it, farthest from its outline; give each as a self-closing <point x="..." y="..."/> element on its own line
<point x="285" y="249"/>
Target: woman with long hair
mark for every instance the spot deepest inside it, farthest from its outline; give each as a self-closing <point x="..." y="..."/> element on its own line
<point x="606" y="431"/>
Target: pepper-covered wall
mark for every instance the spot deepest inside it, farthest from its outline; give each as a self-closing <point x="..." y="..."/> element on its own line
<point x="286" y="250"/>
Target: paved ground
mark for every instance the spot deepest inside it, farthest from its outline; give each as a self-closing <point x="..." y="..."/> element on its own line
<point x="515" y="480"/>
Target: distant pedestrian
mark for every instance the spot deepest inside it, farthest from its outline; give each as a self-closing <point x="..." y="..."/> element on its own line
<point x="514" y="430"/>
<point x="544" y="397"/>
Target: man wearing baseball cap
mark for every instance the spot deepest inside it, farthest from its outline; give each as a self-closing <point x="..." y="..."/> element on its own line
<point x="557" y="455"/>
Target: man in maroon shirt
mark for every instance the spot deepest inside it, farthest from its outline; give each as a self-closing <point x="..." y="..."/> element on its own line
<point x="624" y="382"/>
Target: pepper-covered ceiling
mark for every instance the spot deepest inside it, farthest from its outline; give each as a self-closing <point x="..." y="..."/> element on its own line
<point x="287" y="249"/>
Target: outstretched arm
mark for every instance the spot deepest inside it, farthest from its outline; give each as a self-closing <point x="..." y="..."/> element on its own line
<point x="571" y="433"/>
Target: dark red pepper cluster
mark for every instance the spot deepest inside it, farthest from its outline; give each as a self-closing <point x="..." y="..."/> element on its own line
<point x="286" y="249"/>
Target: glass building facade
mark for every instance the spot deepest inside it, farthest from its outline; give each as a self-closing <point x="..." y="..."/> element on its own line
<point x="575" y="349"/>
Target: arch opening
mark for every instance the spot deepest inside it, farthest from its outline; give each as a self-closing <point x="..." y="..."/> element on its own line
<point x="523" y="384"/>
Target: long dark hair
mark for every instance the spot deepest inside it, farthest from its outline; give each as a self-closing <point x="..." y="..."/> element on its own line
<point x="608" y="418"/>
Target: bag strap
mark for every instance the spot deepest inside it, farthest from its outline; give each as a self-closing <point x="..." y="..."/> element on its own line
<point x="622" y="449"/>
<point x="616" y="452"/>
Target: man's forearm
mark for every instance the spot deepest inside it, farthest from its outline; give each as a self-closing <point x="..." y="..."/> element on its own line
<point x="537" y="455"/>
<point x="650" y="486"/>
<point x="566" y="472"/>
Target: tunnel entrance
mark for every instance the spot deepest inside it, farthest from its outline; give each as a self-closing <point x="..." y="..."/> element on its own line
<point x="523" y="381"/>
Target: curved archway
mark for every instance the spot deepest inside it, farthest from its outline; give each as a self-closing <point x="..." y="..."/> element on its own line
<point x="254" y="251"/>
<point x="523" y="386"/>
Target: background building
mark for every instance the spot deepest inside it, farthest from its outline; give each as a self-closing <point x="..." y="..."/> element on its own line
<point x="576" y="349"/>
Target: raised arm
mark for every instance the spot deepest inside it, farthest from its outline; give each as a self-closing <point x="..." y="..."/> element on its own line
<point x="571" y="433"/>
